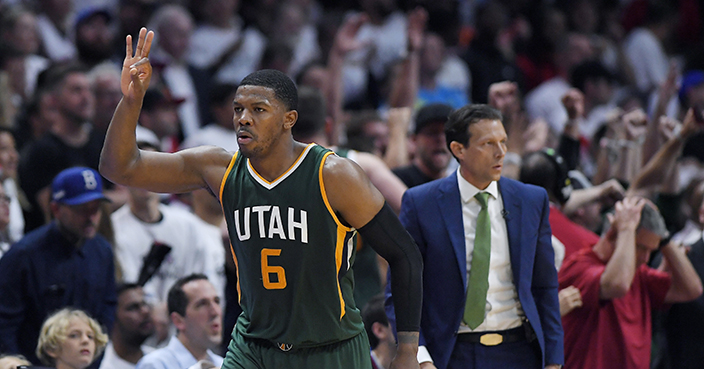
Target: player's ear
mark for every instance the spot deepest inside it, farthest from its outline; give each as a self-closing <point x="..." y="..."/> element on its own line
<point x="290" y="118"/>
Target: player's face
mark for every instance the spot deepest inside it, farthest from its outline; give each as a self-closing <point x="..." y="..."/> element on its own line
<point x="482" y="159"/>
<point x="203" y="321"/>
<point x="260" y="120"/>
<point x="134" y="315"/>
<point x="78" y="349"/>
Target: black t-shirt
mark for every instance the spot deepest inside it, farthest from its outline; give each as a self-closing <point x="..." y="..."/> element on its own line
<point x="42" y="160"/>
<point x="684" y="325"/>
<point x="411" y="176"/>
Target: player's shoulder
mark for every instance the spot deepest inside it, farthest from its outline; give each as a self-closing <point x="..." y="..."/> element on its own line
<point x="210" y="153"/>
<point x="339" y="166"/>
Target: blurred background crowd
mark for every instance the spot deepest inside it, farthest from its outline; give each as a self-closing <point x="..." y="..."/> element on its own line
<point x="602" y="84"/>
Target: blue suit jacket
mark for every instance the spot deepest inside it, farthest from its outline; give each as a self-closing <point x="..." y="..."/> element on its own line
<point x="432" y="214"/>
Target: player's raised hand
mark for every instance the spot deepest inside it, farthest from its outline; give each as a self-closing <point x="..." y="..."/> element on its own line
<point x="136" y="70"/>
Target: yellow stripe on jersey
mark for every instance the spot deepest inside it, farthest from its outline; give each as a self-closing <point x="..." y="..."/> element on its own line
<point x="237" y="271"/>
<point x="339" y="249"/>
<point x="232" y="251"/>
<point x="325" y="195"/>
<point x="288" y="171"/>
<point x="227" y="173"/>
<point x="341" y="232"/>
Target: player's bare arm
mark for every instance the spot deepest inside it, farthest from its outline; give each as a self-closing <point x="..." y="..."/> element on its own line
<point x="122" y="162"/>
<point x="361" y="205"/>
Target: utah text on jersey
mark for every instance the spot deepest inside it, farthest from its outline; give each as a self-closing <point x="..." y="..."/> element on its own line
<point x="270" y="223"/>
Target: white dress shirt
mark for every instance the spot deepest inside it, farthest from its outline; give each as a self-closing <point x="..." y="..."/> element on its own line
<point x="174" y="356"/>
<point x="503" y="308"/>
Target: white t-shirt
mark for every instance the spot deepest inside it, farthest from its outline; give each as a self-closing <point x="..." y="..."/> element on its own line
<point x="183" y="231"/>
<point x="209" y="43"/>
<point x="647" y="58"/>
<point x="213" y="134"/>
<point x="545" y="101"/>
<point x="112" y="361"/>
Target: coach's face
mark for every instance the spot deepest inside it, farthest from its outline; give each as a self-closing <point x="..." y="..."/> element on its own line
<point x="482" y="159"/>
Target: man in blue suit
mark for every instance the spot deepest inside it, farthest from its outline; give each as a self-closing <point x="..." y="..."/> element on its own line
<point x="509" y="316"/>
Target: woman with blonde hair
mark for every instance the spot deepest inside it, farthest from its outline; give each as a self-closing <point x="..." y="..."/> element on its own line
<point x="70" y="339"/>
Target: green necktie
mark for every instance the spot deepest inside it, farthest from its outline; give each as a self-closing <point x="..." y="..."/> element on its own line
<point x="478" y="283"/>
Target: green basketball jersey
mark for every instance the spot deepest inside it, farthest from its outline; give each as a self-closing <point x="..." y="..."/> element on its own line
<point x="293" y="254"/>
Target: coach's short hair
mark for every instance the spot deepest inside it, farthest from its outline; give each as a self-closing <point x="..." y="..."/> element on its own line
<point x="457" y="125"/>
<point x="284" y="88"/>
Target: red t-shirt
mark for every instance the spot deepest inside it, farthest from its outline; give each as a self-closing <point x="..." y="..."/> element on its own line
<point x="614" y="333"/>
<point x="572" y="235"/>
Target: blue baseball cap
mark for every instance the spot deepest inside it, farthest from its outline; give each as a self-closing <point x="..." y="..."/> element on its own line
<point x="690" y="79"/>
<point x="77" y="185"/>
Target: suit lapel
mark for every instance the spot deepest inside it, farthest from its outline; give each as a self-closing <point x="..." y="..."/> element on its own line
<point x="450" y="207"/>
<point x="512" y="209"/>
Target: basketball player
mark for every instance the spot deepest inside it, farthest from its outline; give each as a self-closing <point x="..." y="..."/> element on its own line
<point x="292" y="211"/>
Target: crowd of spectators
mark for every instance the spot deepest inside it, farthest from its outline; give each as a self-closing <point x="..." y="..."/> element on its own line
<point x="614" y="89"/>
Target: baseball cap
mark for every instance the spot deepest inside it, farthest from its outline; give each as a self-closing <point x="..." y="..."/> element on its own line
<point x="691" y="79"/>
<point x="88" y="13"/>
<point x="77" y="185"/>
<point x="432" y="113"/>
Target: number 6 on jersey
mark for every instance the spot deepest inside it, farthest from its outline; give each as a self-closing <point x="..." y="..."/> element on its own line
<point x="267" y="270"/>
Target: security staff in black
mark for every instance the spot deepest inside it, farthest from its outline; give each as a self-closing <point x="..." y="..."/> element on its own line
<point x="292" y="213"/>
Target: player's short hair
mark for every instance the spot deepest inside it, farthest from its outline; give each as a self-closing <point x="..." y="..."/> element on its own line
<point x="284" y="88"/>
